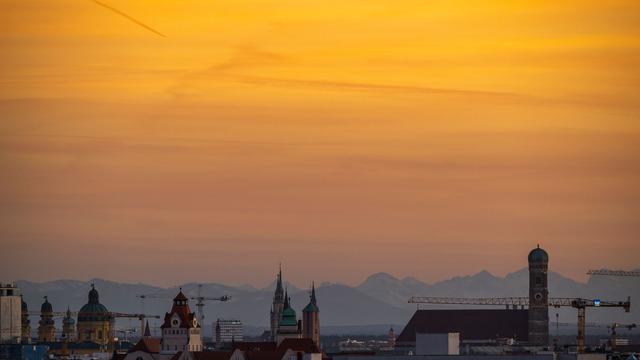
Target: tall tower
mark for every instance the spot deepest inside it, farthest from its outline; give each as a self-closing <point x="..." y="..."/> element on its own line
<point x="68" y="327"/>
<point x="26" y="323"/>
<point x="180" y="330"/>
<point x="311" y="319"/>
<point x="46" y="326"/>
<point x="538" y="297"/>
<point x="278" y="306"/>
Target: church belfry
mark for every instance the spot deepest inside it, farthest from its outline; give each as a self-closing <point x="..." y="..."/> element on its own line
<point x="538" y="297"/>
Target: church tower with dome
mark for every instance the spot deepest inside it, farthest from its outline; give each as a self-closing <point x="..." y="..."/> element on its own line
<point x="95" y="322"/>
<point x="46" y="325"/>
<point x="68" y="327"/>
<point x="288" y="327"/>
<point x="26" y="323"/>
<point x="538" y="297"/>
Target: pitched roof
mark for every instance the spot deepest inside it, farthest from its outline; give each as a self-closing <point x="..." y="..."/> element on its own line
<point x="211" y="355"/>
<point x="148" y="345"/>
<point x="118" y="356"/>
<point x="181" y="307"/>
<point x="255" y="345"/>
<point x="262" y="355"/>
<point x="180" y="296"/>
<point x="269" y="351"/>
<point x="477" y="324"/>
<point x="304" y="345"/>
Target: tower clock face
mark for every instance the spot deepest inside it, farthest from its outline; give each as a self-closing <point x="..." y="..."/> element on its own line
<point x="175" y="322"/>
<point x="538" y="296"/>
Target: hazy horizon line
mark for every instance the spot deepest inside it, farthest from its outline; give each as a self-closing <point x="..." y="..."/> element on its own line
<point x="318" y="284"/>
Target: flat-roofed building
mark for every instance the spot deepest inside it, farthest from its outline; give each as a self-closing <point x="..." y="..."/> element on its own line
<point x="227" y="331"/>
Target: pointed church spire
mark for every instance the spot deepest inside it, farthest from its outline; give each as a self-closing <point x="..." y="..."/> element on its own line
<point x="279" y="280"/>
<point x="147" y="332"/>
<point x="286" y="299"/>
<point x="313" y="293"/>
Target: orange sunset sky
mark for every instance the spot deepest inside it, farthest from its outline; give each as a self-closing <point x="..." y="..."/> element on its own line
<point x="425" y="138"/>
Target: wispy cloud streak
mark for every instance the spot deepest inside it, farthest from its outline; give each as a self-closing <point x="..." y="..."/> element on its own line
<point x="128" y="17"/>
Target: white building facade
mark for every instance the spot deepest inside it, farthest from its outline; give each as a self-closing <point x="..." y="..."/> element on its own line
<point x="10" y="314"/>
<point x="228" y="330"/>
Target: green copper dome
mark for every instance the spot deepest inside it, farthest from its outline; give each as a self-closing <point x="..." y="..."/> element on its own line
<point x="93" y="310"/>
<point x="538" y="256"/>
<point x="288" y="317"/>
<point x="288" y="314"/>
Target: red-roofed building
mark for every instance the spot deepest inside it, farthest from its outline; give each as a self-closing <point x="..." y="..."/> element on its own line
<point x="289" y="349"/>
<point x="180" y="330"/>
<point x="147" y="348"/>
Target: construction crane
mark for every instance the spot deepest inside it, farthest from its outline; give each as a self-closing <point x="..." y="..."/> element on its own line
<point x="614" y="273"/>
<point x="577" y="303"/>
<point x="55" y="314"/>
<point x="613" y="328"/>
<point x="140" y="317"/>
<point x="199" y="300"/>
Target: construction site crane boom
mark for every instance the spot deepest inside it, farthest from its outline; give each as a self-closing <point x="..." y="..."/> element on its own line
<point x="55" y="314"/>
<point x="577" y="303"/>
<point x="201" y="299"/>
<point x="604" y="272"/>
<point x="140" y="317"/>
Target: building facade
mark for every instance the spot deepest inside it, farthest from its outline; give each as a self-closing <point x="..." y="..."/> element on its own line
<point x="311" y="319"/>
<point x="228" y="331"/>
<point x="538" y="297"/>
<point x="10" y="314"/>
<point x="278" y="306"/>
<point x="95" y="323"/>
<point x="180" y="330"/>
<point x="46" y="325"/>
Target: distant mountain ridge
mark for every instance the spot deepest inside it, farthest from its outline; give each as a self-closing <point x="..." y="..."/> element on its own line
<point x="380" y="299"/>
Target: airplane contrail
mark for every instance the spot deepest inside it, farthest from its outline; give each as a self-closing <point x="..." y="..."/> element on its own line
<point x="128" y="17"/>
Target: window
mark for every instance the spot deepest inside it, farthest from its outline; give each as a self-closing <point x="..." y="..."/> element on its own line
<point x="538" y="280"/>
<point x="100" y="334"/>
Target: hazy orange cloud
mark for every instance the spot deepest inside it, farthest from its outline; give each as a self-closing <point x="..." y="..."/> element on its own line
<point x="375" y="135"/>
